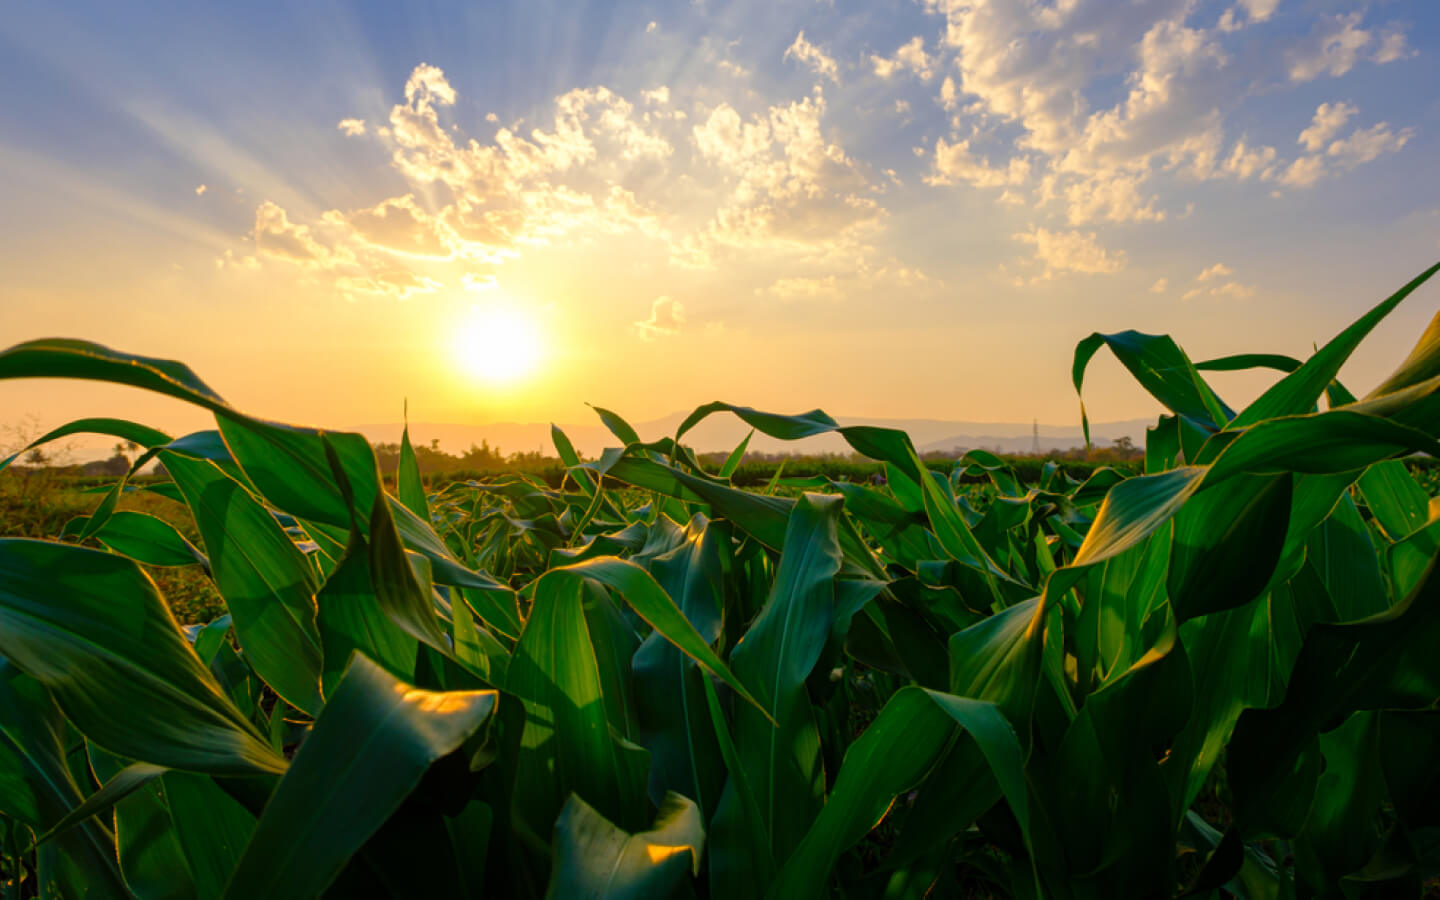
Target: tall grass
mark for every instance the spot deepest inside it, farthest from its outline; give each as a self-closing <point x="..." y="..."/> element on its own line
<point x="1218" y="677"/>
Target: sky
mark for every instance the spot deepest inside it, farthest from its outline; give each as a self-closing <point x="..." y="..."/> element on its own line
<point x="907" y="208"/>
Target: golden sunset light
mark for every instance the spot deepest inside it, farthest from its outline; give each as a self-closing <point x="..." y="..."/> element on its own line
<point x="498" y="344"/>
<point x="720" y="449"/>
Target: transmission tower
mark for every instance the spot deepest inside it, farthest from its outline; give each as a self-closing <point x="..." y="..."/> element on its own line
<point x="1035" y="438"/>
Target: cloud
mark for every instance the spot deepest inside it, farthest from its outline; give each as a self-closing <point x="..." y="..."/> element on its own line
<point x="815" y="288"/>
<point x="1244" y="162"/>
<point x="911" y="56"/>
<point x="398" y="226"/>
<point x="1230" y="289"/>
<point x="1329" y="119"/>
<point x="1219" y="270"/>
<point x="1259" y="10"/>
<point x="1030" y="72"/>
<point x="200" y="189"/>
<point x="954" y="163"/>
<point x="667" y="316"/>
<point x="1393" y="48"/>
<point x="652" y="27"/>
<point x="793" y="189"/>
<point x="351" y="127"/>
<point x="1160" y="286"/>
<point x="279" y="238"/>
<point x="1363" y="146"/>
<point x="1070" y="251"/>
<point x="428" y="84"/>
<point x="399" y="284"/>
<point x="1304" y="172"/>
<point x="814" y="58"/>
<point x="949" y="98"/>
<point x="771" y="185"/>
<point x="585" y="118"/>
<point x="473" y="282"/>
<point x="228" y="260"/>
<point x="1114" y="199"/>
<point x="1333" y="48"/>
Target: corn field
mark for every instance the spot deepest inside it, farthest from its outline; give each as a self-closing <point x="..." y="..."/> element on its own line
<point x="1215" y="679"/>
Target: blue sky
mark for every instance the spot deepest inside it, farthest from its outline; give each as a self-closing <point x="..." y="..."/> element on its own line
<point x="901" y="208"/>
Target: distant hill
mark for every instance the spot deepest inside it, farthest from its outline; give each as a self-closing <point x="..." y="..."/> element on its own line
<point x="721" y="432"/>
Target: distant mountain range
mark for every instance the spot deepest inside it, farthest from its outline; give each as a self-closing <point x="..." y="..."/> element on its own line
<point x="722" y="431"/>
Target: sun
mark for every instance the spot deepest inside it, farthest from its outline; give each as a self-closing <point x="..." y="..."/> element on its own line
<point x="498" y="344"/>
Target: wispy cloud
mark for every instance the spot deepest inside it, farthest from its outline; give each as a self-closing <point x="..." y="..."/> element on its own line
<point x="667" y="317"/>
<point x="813" y="58"/>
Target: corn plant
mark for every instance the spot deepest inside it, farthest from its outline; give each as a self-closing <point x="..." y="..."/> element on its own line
<point x="1218" y="678"/>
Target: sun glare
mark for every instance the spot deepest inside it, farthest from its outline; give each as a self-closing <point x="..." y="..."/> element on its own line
<point x="498" y="344"/>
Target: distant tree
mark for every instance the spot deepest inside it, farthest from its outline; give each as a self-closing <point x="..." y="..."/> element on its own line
<point x="118" y="464"/>
<point x="1124" y="445"/>
<point x="37" y="457"/>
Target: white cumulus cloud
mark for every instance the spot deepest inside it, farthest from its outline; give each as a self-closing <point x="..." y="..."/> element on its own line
<point x="910" y="57"/>
<point x="1071" y="251"/>
<point x="813" y="58"/>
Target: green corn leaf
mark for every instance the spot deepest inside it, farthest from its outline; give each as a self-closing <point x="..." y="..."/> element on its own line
<point x="146" y="539"/>
<point x="886" y="444"/>
<point x="1338" y="837"/>
<point x="91" y="628"/>
<point x="285" y="463"/>
<point x="594" y="858"/>
<point x="1243" y="361"/>
<point x="563" y="447"/>
<point x="1227" y="543"/>
<point x="998" y="661"/>
<point x="1423" y="362"/>
<point x="351" y="618"/>
<point x="1134" y="509"/>
<point x="732" y="462"/>
<point x="567" y="745"/>
<point x="779" y="747"/>
<point x="1162" y="368"/>
<point x="741" y="863"/>
<point x="670" y="701"/>
<point x="38" y="788"/>
<point x="402" y="598"/>
<point x="116" y="788"/>
<point x="1323" y="443"/>
<point x="618" y="426"/>
<point x="368" y="751"/>
<point x="211" y="826"/>
<point x="412" y="489"/>
<point x="268" y="586"/>
<point x="493" y="600"/>
<point x="1383" y="662"/>
<point x="122" y="428"/>
<point x="890" y="757"/>
<point x="146" y="843"/>
<point x="1298" y="392"/>
<point x="1398" y="503"/>
<point x="640" y="590"/>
